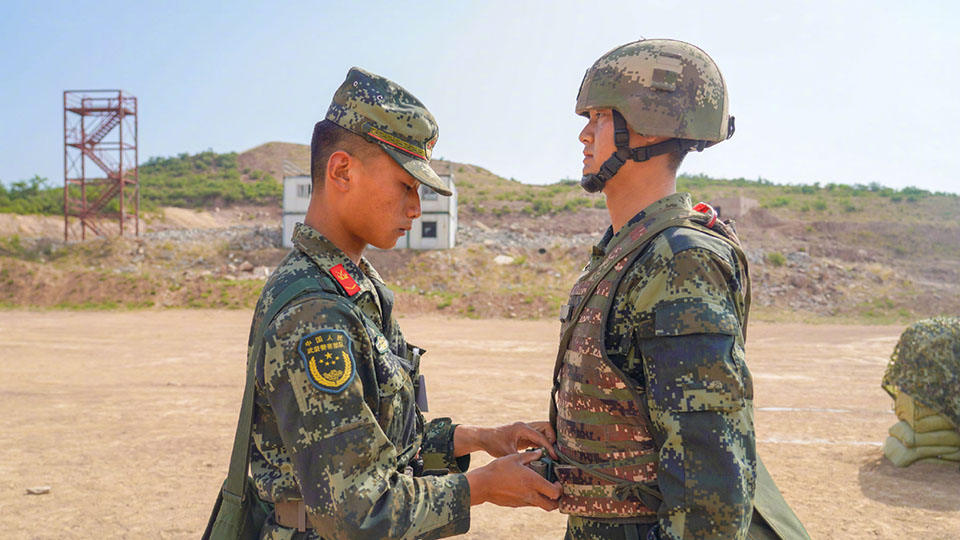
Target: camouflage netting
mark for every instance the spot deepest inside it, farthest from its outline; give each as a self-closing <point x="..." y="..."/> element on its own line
<point x="926" y="365"/>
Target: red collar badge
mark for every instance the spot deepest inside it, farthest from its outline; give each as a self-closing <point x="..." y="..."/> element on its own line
<point x="343" y="278"/>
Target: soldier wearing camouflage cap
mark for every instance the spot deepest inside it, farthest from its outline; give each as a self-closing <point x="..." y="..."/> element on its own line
<point x="652" y="400"/>
<point x="340" y="446"/>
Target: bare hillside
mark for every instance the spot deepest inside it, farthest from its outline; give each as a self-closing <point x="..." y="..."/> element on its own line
<point x="863" y="253"/>
<point x="270" y="157"/>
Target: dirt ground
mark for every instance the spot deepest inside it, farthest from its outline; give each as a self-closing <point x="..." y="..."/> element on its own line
<point x="128" y="418"/>
<point x="165" y="218"/>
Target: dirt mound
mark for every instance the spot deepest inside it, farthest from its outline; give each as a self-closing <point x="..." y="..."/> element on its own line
<point x="31" y="225"/>
<point x="185" y="218"/>
<point x="269" y="157"/>
<point x="586" y="221"/>
<point x="217" y="218"/>
<point x="759" y="217"/>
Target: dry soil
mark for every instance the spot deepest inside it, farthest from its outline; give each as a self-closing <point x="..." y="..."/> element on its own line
<point x="128" y="418"/>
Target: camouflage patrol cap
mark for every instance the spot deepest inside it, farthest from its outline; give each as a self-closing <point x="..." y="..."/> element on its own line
<point x="662" y="87"/>
<point x="383" y="112"/>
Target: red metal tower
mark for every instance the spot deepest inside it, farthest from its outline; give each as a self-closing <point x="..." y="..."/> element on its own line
<point x="98" y="127"/>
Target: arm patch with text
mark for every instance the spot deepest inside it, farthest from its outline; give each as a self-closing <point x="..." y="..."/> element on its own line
<point x="328" y="360"/>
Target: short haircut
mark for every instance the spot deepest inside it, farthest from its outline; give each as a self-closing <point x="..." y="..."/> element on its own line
<point x="674" y="159"/>
<point x="327" y="139"/>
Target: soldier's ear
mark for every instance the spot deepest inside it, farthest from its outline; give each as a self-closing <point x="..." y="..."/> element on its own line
<point x="339" y="170"/>
<point x="645" y="140"/>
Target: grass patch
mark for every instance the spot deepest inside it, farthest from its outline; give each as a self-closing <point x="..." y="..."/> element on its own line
<point x="88" y="305"/>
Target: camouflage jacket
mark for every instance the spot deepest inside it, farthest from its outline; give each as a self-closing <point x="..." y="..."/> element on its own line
<point x="343" y="444"/>
<point x="677" y="328"/>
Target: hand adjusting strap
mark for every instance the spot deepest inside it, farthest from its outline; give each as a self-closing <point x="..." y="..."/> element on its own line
<point x="624" y="488"/>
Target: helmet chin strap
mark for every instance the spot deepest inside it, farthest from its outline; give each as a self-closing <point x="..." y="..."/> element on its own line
<point x="594" y="183"/>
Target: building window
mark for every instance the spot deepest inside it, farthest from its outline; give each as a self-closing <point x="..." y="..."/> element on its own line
<point x="304" y="190"/>
<point x="428" y="229"/>
<point x="427" y="194"/>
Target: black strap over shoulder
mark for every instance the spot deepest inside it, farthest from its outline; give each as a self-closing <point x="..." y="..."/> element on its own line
<point x="320" y="282"/>
<point x="240" y="457"/>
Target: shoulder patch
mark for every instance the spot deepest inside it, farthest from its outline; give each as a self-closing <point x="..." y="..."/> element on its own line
<point x="683" y="238"/>
<point x="328" y="360"/>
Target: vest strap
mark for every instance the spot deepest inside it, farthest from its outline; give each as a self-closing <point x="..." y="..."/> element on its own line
<point x="623" y="488"/>
<point x="633" y="248"/>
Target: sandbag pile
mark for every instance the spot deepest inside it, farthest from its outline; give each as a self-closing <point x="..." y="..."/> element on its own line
<point x="922" y="434"/>
<point x="923" y="377"/>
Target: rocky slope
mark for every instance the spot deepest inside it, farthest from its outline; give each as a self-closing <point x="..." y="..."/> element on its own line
<point x="815" y="253"/>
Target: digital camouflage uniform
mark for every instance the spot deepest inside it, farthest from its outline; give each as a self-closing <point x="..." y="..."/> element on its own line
<point x="337" y="423"/>
<point x="675" y="331"/>
<point x="652" y="401"/>
<point x="346" y="453"/>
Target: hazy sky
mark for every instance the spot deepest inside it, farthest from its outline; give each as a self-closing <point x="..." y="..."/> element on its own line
<point x="848" y="92"/>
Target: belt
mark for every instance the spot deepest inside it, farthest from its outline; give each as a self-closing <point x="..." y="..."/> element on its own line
<point x="291" y="514"/>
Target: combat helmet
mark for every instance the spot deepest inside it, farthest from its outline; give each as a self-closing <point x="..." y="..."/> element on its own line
<point x="657" y="87"/>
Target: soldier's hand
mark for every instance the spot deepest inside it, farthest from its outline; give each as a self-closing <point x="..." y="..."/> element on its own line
<point x="507" y="481"/>
<point x="511" y="438"/>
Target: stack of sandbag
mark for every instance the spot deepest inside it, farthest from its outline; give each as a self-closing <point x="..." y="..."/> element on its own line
<point x="923" y="377"/>
<point x="922" y="434"/>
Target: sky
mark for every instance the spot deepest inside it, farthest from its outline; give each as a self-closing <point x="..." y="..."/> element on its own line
<point x="822" y="91"/>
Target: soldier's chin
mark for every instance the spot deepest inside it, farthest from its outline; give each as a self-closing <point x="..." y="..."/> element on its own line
<point x="385" y="243"/>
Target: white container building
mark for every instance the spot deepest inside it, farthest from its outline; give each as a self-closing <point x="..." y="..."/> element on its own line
<point x="296" y="198"/>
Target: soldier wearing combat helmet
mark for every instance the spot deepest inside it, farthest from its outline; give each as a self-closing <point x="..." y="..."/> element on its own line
<point x="340" y="447"/>
<point x="652" y="401"/>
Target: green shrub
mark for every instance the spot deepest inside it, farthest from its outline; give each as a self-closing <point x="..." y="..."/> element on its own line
<point x="776" y="259"/>
<point x="193" y="181"/>
<point x="574" y="204"/>
<point x="540" y="207"/>
<point x="33" y="196"/>
<point x="778" y="202"/>
<point x="914" y="191"/>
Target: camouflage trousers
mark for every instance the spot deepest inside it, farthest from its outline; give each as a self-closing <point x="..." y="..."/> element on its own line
<point x="272" y="531"/>
<point x="585" y="529"/>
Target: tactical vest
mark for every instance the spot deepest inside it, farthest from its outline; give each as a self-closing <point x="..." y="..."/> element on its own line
<point x="605" y="439"/>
